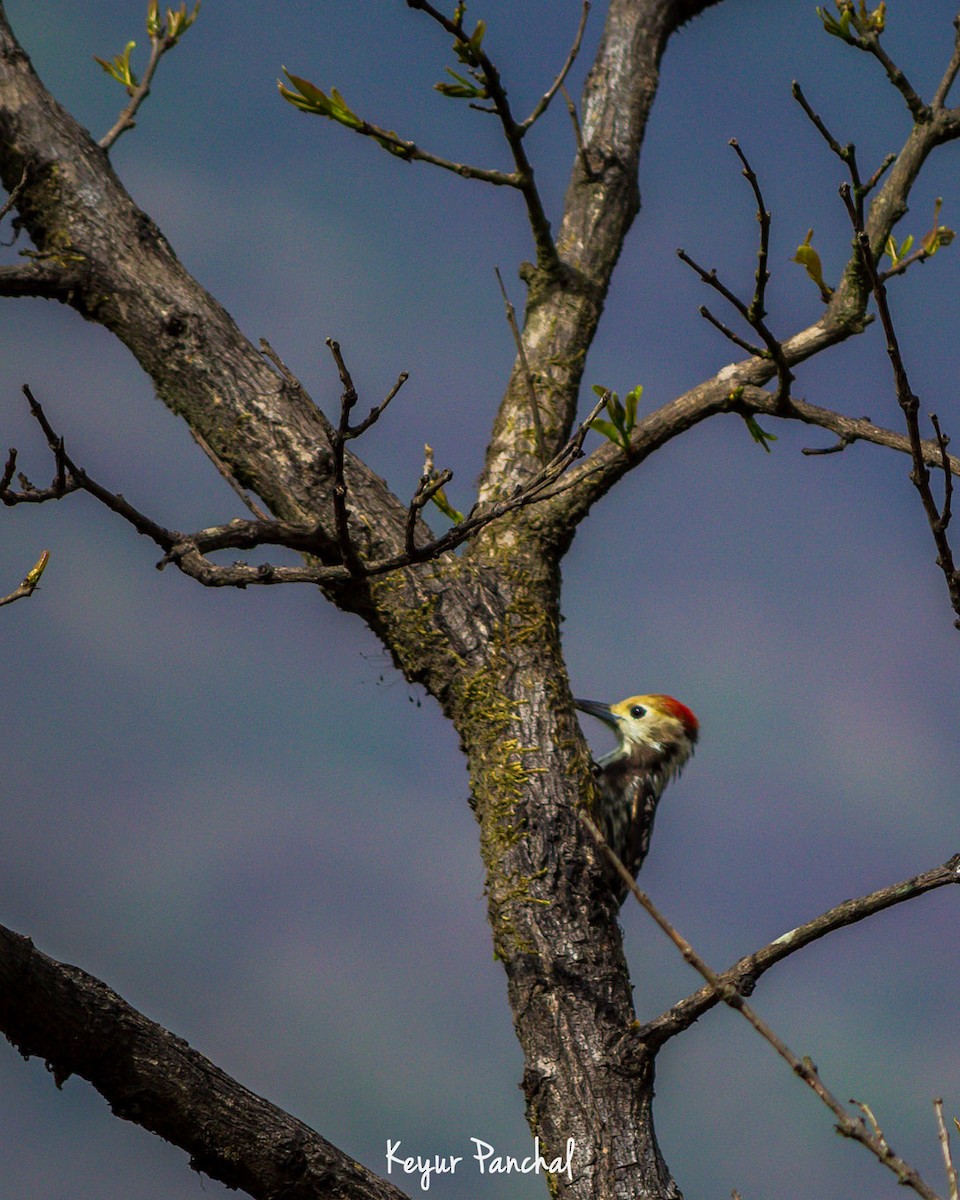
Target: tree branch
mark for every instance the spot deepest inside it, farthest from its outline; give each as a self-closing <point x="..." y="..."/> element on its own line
<point x="47" y="278"/>
<point x="339" y="560"/>
<point x="164" y="35"/>
<point x="548" y="260"/>
<point x="79" y="1026"/>
<point x="602" y="200"/>
<point x="937" y="518"/>
<point x="745" y="973"/>
<point x="867" y="1134"/>
<point x="544" y="102"/>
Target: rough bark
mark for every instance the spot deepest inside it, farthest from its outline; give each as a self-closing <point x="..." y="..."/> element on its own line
<point x="480" y="631"/>
<point x="80" y="1026"/>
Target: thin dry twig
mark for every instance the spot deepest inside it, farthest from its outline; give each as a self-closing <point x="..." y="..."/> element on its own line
<point x="745" y="973"/>
<point x="588" y="170"/>
<point x="754" y="312"/>
<point x="224" y="471"/>
<point x="544" y="102"/>
<point x="944" y="1137"/>
<point x="858" y="1129"/>
<point x="331" y="561"/>
<point x="15" y="195"/>
<point x="525" y="370"/>
<point x="938" y="518"/>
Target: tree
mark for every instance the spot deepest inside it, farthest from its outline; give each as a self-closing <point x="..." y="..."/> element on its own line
<point x="479" y="629"/>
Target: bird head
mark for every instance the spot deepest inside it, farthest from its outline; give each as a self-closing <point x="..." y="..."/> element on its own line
<point x="645" y="723"/>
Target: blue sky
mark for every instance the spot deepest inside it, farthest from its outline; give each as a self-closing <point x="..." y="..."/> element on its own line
<point x="233" y="810"/>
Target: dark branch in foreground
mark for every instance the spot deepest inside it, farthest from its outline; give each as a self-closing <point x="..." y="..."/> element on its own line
<point x="79" y="1026"/>
<point x="863" y="1129"/>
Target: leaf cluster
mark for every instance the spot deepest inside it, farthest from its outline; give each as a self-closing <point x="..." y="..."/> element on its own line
<point x="854" y="23"/>
<point x="623" y="416"/>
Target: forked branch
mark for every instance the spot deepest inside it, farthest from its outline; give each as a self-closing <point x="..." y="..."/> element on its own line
<point x="938" y="516"/>
<point x="754" y="312"/>
<point x="863" y="1129"/>
<point x="328" y="560"/>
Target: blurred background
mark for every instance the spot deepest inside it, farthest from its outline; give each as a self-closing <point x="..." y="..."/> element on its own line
<point x="231" y="808"/>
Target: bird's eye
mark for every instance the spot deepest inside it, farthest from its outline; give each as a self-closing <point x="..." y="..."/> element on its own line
<point x="638" y="711"/>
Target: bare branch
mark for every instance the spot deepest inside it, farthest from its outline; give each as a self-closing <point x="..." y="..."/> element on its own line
<point x="338" y="440"/>
<point x="870" y="42"/>
<point x="79" y="1026"/>
<point x="745" y="973"/>
<point x="544" y="102"/>
<point x="338" y="562"/>
<point x="757" y="310"/>
<point x="856" y="1128"/>
<point x="951" y="1170"/>
<point x="525" y="368"/>
<point x="938" y="519"/>
<point x="754" y="312"/>
<point x="950" y="74"/>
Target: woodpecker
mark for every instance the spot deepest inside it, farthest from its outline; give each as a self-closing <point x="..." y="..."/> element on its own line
<point x="655" y="737"/>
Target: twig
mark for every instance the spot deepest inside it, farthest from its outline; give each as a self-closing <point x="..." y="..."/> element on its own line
<point x="338" y="440"/>
<point x="548" y="260"/>
<point x="844" y="440"/>
<point x="950" y="74"/>
<point x="14" y="196"/>
<point x="840" y="151"/>
<point x="126" y="120"/>
<point x="588" y="170"/>
<point x="70" y="477"/>
<point x="728" y="333"/>
<point x="937" y="518"/>
<point x="558" y="83"/>
<point x="525" y="370"/>
<point x="226" y="473"/>
<point x="847" y="154"/>
<point x="754" y="312"/>
<point x="28" y="585"/>
<point x="855" y="1128"/>
<point x="410" y="151"/>
<point x="870" y="42"/>
<point x="757" y="311"/>
<point x="944" y="1137"/>
<point x="188" y="551"/>
<point x="164" y="35"/>
<point x="745" y="973"/>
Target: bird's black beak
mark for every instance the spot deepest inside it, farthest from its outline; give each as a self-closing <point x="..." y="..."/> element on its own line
<point x="596" y="709"/>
